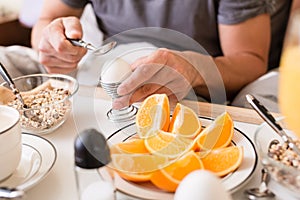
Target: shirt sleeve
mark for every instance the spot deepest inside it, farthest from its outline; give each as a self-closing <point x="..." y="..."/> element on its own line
<point x="236" y="11"/>
<point x="76" y="3"/>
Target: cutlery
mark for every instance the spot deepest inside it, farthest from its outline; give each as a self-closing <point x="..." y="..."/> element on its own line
<point x="267" y="117"/>
<point x="262" y="191"/>
<point x="10" y="193"/>
<point x="11" y="84"/>
<point x="97" y="50"/>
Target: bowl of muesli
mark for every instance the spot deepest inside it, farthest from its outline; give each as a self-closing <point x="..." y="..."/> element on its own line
<point x="281" y="162"/>
<point x="47" y="99"/>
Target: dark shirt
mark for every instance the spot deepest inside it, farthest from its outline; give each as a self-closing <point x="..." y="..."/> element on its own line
<point x="197" y="19"/>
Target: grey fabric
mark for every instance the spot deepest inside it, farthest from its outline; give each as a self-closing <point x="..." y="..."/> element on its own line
<point x="197" y="19"/>
<point x="19" y="61"/>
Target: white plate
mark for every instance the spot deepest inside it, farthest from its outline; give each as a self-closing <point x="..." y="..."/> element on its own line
<point x="38" y="158"/>
<point x="232" y="181"/>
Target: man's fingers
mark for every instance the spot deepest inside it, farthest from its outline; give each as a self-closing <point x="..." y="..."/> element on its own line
<point x="73" y="27"/>
<point x="139" y="76"/>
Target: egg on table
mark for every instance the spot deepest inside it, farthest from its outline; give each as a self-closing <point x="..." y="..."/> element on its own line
<point x="201" y="184"/>
<point x="115" y="71"/>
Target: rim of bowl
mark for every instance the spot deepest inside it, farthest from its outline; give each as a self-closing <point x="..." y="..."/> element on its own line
<point x="73" y="80"/>
<point x="265" y="156"/>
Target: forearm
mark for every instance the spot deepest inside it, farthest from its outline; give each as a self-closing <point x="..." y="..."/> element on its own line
<point x="229" y="73"/>
<point x="239" y="70"/>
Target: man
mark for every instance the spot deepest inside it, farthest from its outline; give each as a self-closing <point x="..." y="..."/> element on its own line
<point x="236" y="34"/>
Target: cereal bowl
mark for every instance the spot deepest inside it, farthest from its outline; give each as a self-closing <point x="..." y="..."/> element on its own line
<point x="282" y="164"/>
<point x="48" y="100"/>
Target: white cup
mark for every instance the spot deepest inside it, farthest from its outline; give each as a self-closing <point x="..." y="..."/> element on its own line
<point x="10" y="141"/>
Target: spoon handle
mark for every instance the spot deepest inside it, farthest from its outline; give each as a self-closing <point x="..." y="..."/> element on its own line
<point x="5" y="75"/>
<point x="267" y="116"/>
<point x="10" y="193"/>
<point x="81" y="43"/>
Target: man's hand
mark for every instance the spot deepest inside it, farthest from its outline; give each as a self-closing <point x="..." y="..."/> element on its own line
<point x="56" y="53"/>
<point x="163" y="71"/>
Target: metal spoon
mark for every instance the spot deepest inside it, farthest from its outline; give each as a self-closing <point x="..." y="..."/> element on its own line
<point x="266" y="115"/>
<point x="10" y="193"/>
<point x="262" y="191"/>
<point x="99" y="51"/>
<point x="11" y="84"/>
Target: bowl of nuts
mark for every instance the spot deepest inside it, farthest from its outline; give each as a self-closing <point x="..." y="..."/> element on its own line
<point x="47" y="100"/>
<point x="281" y="162"/>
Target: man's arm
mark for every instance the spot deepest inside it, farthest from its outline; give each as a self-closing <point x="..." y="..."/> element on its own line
<point x="245" y="47"/>
<point x="49" y="37"/>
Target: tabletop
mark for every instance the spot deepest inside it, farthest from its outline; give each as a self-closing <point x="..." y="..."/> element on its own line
<point x="90" y="105"/>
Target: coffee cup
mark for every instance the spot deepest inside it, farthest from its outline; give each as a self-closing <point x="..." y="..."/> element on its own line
<point x="10" y="141"/>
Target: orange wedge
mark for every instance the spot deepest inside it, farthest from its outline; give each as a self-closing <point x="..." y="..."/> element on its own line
<point x="135" y="145"/>
<point x="218" y="134"/>
<point x="154" y="114"/>
<point x="184" y="122"/>
<point x="169" y="177"/>
<point x="223" y="161"/>
<point x="168" y="144"/>
<point x="138" y="163"/>
<point x="135" y="177"/>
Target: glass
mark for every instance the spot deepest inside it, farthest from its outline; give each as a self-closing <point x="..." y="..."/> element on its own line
<point x="289" y="88"/>
<point x="43" y="117"/>
<point x="286" y="177"/>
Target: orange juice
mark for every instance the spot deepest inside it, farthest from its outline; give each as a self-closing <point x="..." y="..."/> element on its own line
<point x="289" y="87"/>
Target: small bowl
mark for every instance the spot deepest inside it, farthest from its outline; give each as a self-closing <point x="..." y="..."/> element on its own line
<point x="44" y="117"/>
<point x="286" y="177"/>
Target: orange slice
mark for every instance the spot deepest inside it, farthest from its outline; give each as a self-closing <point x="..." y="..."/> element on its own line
<point x="169" y="177"/>
<point x="154" y="114"/>
<point x="223" y="161"/>
<point x="218" y="134"/>
<point x="135" y="177"/>
<point x="138" y="163"/>
<point x="132" y="146"/>
<point x="168" y="144"/>
<point x="184" y="121"/>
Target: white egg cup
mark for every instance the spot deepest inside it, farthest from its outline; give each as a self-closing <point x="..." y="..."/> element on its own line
<point x="125" y="114"/>
<point x="114" y="72"/>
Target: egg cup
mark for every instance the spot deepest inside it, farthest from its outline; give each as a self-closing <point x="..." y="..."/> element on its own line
<point x="125" y="114"/>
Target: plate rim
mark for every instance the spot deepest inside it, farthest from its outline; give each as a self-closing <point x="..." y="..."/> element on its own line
<point x="231" y="190"/>
<point x="36" y="177"/>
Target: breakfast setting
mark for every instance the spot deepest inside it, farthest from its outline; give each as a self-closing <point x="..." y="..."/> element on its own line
<point x="130" y="100"/>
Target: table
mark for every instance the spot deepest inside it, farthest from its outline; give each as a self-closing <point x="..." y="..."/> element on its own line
<point x="90" y="105"/>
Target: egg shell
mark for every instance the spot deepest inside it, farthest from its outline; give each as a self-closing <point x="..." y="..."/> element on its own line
<point x="115" y="71"/>
<point x="201" y="184"/>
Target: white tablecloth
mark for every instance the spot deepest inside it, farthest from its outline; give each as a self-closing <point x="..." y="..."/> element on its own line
<point x="89" y="112"/>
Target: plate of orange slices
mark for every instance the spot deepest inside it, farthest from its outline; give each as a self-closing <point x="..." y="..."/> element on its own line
<point x="151" y="156"/>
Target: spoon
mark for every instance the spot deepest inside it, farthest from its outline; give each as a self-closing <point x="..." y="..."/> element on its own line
<point x="266" y="115"/>
<point x="11" y="84"/>
<point x="262" y="191"/>
<point x="98" y="51"/>
<point x="10" y="193"/>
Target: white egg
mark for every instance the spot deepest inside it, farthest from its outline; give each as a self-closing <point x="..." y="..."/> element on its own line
<point x="201" y="184"/>
<point x="100" y="190"/>
<point x="115" y="71"/>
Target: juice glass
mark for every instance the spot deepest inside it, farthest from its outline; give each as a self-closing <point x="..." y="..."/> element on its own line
<point x="289" y="80"/>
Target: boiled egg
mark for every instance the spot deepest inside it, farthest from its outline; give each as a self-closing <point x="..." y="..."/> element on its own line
<point x="115" y="71"/>
<point x="201" y="184"/>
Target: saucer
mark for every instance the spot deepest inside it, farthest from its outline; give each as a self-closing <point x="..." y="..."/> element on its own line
<point x="38" y="158"/>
